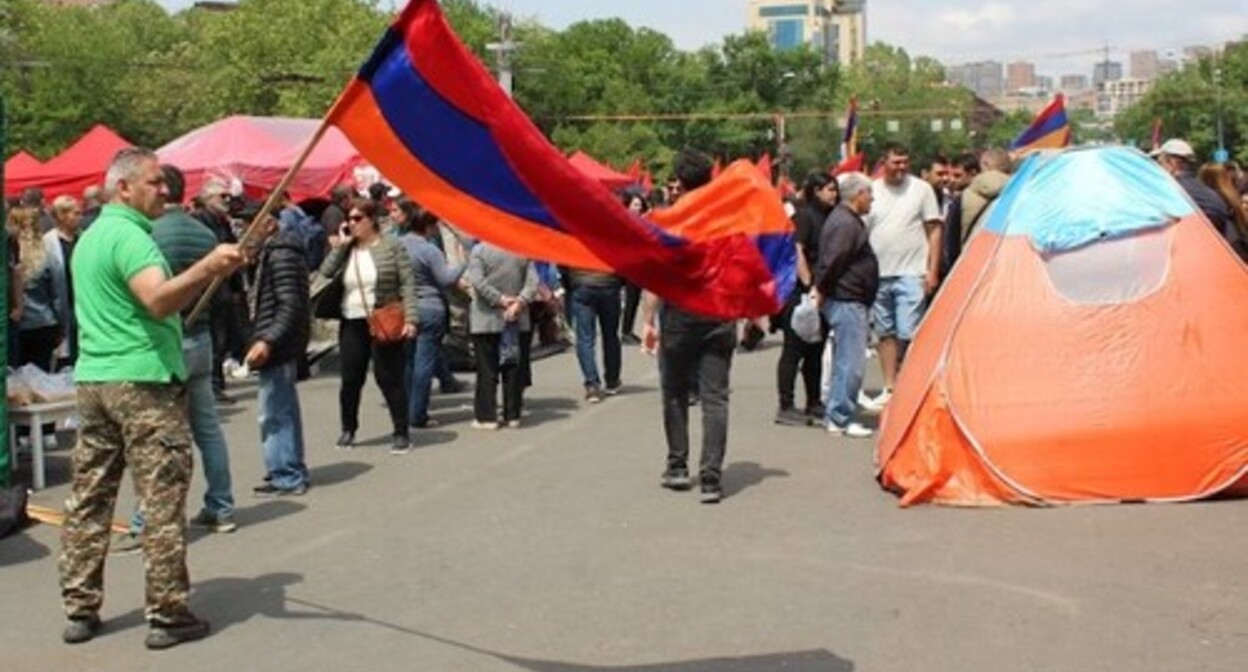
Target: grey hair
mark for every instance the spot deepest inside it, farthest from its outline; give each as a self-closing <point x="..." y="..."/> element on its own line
<point x="63" y="204"/>
<point x="125" y="166"/>
<point x="853" y="184"/>
<point x="997" y="159"/>
<point x="214" y="186"/>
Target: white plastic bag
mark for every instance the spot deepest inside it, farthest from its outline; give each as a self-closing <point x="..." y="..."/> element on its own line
<point x="805" y="320"/>
<point x="31" y="385"/>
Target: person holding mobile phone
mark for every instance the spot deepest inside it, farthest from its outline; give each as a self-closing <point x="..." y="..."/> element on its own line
<point x="376" y="271"/>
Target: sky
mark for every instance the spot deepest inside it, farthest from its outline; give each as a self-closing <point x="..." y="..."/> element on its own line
<point x="1060" y="36"/>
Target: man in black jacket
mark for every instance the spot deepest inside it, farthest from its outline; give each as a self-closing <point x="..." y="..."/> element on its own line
<point x="692" y="348"/>
<point x="847" y="278"/>
<point x="280" y="314"/>
<point x="1179" y="159"/>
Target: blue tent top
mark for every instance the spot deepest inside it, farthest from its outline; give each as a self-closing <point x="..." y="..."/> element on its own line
<point x="1065" y="200"/>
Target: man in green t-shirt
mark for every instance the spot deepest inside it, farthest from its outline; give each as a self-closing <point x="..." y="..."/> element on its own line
<point x="132" y="403"/>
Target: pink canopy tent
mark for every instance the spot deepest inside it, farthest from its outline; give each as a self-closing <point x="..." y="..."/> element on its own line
<point x="257" y="152"/>
<point x="603" y="174"/>
<point x="78" y="167"/>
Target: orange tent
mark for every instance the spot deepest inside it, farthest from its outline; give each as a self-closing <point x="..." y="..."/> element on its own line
<point x="1087" y="347"/>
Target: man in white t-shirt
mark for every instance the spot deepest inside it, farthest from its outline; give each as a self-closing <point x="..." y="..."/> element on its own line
<point x="905" y="223"/>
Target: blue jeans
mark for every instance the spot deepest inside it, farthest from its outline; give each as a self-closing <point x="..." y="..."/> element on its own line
<point x="281" y="426"/>
<point x="214" y="454"/>
<point x="593" y="305"/>
<point x="423" y="362"/>
<point x="898" y="306"/>
<point x="848" y="321"/>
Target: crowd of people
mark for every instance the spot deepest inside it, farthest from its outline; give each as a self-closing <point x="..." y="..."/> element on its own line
<point x="107" y="288"/>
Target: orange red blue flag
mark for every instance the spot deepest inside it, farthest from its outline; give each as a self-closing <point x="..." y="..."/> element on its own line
<point x="429" y="116"/>
<point x="1049" y="130"/>
<point x="849" y="143"/>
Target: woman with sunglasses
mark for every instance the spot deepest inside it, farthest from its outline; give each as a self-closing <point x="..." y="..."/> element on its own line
<point x="375" y="271"/>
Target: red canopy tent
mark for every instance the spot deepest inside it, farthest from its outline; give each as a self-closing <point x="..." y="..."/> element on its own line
<point x="21" y="164"/>
<point x="603" y="174"/>
<point x="257" y="152"/>
<point x="78" y="167"/>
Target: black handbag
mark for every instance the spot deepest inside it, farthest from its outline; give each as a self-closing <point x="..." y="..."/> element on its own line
<point x="327" y="296"/>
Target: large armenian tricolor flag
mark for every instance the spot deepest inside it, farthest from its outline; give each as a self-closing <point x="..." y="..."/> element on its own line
<point x="428" y="115"/>
<point x="1049" y="130"/>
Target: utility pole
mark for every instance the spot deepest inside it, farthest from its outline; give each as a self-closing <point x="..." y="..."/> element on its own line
<point x="1221" y="155"/>
<point x="782" y="147"/>
<point x="6" y="457"/>
<point x="503" y="50"/>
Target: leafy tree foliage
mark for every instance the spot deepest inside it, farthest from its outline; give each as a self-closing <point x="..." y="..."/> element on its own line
<point x="1187" y="104"/>
<point x="602" y="86"/>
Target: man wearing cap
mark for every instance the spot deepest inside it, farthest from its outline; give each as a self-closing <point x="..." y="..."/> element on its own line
<point x="1177" y="157"/>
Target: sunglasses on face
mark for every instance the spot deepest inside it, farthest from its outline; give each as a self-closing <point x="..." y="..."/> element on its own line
<point x="356" y="218"/>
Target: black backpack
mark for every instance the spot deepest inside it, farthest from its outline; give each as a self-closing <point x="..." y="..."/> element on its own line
<point x="12" y="510"/>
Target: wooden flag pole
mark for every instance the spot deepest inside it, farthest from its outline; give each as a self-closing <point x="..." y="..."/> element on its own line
<point x="261" y="216"/>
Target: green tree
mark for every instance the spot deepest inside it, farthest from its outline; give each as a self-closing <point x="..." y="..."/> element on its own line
<point x="901" y="98"/>
<point x="1187" y="105"/>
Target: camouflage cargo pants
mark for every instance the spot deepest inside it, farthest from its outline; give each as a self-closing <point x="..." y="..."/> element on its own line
<point x="143" y="425"/>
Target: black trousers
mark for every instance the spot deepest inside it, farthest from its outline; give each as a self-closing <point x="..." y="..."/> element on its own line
<point x="355" y="348"/>
<point x="231" y="332"/>
<point x="514" y="378"/>
<point x="701" y="349"/>
<point x="632" y="298"/>
<point x="794" y="354"/>
<point x="38" y="346"/>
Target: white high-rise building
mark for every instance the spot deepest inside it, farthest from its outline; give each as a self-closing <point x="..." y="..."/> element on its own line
<point x="835" y="28"/>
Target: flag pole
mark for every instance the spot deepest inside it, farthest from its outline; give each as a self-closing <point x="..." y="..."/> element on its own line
<point x="254" y="227"/>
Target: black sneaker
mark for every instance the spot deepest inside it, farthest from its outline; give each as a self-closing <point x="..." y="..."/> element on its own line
<point x="711" y="493"/>
<point x="630" y="339"/>
<point x="791" y="417"/>
<point x="753" y="336"/>
<point x="81" y="629"/>
<point x="346" y="441"/>
<point x="613" y="389"/>
<point x="269" y="490"/>
<point x="164" y="636"/>
<point x="676" y="478"/>
<point x="453" y="387"/>
<point x="401" y="445"/>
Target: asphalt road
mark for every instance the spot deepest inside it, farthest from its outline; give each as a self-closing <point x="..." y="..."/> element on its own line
<point x="552" y="548"/>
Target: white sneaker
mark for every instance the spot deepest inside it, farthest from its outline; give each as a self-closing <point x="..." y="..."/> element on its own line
<point x="864" y="399"/>
<point x="877" y="404"/>
<point x="240" y="372"/>
<point x="488" y="426"/>
<point x="853" y="430"/>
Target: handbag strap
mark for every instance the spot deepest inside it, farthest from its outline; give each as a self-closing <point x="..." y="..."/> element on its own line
<point x="359" y="280"/>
